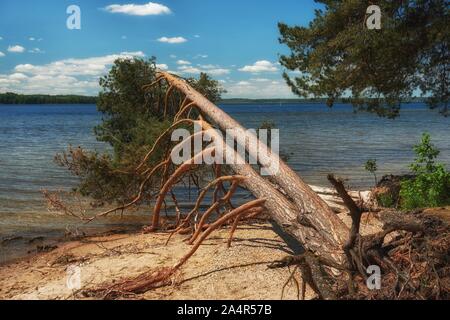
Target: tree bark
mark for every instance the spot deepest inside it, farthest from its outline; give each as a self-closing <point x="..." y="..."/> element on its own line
<point x="310" y="207"/>
<point x="283" y="211"/>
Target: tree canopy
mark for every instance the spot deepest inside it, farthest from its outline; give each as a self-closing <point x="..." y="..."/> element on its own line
<point x="133" y="118"/>
<point x="338" y="56"/>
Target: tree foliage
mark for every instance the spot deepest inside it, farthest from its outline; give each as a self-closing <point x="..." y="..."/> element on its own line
<point x="133" y="118"/>
<point x="431" y="185"/>
<point x="371" y="166"/>
<point x="337" y="56"/>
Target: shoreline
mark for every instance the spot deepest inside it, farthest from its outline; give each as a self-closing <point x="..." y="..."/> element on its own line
<point x="214" y="272"/>
<point x="20" y="245"/>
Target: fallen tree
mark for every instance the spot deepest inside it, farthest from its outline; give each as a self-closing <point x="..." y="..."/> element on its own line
<point x="335" y="260"/>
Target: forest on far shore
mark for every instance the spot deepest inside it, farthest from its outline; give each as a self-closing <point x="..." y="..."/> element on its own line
<point x="14" y="98"/>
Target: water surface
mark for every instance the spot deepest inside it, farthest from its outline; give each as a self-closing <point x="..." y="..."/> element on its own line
<point x="316" y="139"/>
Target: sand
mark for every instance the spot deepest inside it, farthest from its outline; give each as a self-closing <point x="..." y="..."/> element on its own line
<point x="214" y="272"/>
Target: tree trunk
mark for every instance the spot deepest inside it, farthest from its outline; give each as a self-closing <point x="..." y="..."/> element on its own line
<point x="297" y="209"/>
<point x="283" y="212"/>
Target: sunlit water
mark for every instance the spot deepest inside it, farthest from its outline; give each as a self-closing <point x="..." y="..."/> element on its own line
<point x="317" y="141"/>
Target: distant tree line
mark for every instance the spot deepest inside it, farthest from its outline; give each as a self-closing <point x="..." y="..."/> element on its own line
<point x="13" y="98"/>
<point x="299" y="101"/>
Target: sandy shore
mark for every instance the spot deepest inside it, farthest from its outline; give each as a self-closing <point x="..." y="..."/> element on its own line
<point x="214" y="272"/>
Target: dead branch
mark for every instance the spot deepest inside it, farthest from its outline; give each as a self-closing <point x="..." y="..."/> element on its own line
<point x="160" y="138"/>
<point x="172" y="180"/>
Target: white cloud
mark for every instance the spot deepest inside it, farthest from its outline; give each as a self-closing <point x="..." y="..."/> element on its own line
<point x="189" y="69"/>
<point x="196" y="36"/>
<point x="183" y="62"/>
<point x="36" y="50"/>
<point x="148" y="9"/>
<point x="68" y="76"/>
<point x="17" y="76"/>
<point x="31" y="38"/>
<point x="217" y="72"/>
<point x="254" y="89"/>
<point x="162" y="66"/>
<point x="94" y="66"/>
<point x="172" y="56"/>
<point x="260" y="79"/>
<point x="45" y="84"/>
<point x="2" y="54"/>
<point x="1" y="38"/>
<point x="16" y="49"/>
<point x="209" y="69"/>
<point x="203" y="56"/>
<point x="260" y="66"/>
<point x="172" y="40"/>
<point x="208" y="66"/>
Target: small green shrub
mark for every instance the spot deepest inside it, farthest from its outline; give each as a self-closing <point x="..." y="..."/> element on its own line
<point x="385" y="200"/>
<point x="431" y="185"/>
<point x="371" y="166"/>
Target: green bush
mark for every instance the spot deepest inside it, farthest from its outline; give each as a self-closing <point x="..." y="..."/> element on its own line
<point x="371" y="166"/>
<point x="386" y="200"/>
<point x="431" y="185"/>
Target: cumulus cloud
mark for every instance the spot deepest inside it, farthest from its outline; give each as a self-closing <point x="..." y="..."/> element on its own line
<point x="68" y="76"/>
<point x="260" y="79"/>
<point x="183" y="62"/>
<point x="2" y="54"/>
<point x="88" y="66"/>
<point x="254" y="89"/>
<point x="162" y="66"/>
<point x="260" y="66"/>
<point x="16" y="49"/>
<point x="45" y="84"/>
<point x="172" y="40"/>
<point x="209" y="69"/>
<point x="148" y="9"/>
<point x="17" y="76"/>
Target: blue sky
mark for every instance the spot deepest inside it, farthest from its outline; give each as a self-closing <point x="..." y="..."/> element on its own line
<point x="235" y="41"/>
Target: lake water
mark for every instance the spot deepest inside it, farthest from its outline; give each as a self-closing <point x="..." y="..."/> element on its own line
<point x="317" y="140"/>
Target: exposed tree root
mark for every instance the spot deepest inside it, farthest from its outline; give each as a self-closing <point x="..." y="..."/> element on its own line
<point x="414" y="261"/>
<point x="161" y="277"/>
